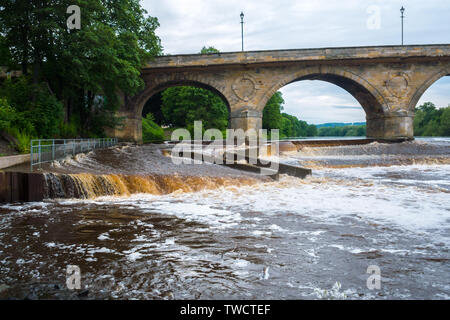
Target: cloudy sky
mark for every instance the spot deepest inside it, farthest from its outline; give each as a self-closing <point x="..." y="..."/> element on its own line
<point x="188" y="25"/>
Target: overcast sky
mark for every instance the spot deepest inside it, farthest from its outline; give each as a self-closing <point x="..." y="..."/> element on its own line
<point x="188" y="25"/>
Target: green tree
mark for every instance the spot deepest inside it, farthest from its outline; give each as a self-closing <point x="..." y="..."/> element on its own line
<point x="7" y="114"/>
<point x="431" y="121"/>
<point x="5" y="55"/>
<point x="272" y="118"/>
<point x="207" y="50"/>
<point x="311" y="131"/>
<point x="444" y="129"/>
<point x="151" y="132"/>
<point x="183" y="105"/>
<point x="38" y="112"/>
<point x="88" y="70"/>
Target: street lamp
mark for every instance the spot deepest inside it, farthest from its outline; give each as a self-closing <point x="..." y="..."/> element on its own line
<point x="242" y="29"/>
<point x="402" y="10"/>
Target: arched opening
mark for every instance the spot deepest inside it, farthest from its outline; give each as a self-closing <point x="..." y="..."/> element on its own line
<point x="176" y="105"/>
<point x="335" y="105"/>
<point x="432" y="109"/>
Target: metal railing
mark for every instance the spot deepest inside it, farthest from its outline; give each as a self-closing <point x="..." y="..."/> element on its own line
<point x="48" y="150"/>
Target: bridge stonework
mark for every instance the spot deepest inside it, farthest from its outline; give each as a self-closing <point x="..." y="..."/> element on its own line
<point x="387" y="81"/>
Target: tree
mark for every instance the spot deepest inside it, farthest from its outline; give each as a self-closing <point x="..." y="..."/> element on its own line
<point x="5" y="55"/>
<point x="272" y="118"/>
<point x="88" y="69"/>
<point x="289" y="125"/>
<point x="151" y="132"/>
<point x="444" y="129"/>
<point x="208" y="50"/>
<point x="430" y="121"/>
<point x="183" y="105"/>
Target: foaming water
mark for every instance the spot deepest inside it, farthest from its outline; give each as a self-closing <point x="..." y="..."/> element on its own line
<point x="285" y="239"/>
<point x="89" y="186"/>
<point x="421" y="152"/>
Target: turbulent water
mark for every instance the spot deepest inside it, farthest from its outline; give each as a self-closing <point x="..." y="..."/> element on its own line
<point x="216" y="234"/>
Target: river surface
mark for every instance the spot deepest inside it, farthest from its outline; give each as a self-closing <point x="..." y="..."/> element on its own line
<point x="230" y="236"/>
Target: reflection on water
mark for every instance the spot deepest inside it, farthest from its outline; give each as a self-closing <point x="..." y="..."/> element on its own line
<point x="261" y="240"/>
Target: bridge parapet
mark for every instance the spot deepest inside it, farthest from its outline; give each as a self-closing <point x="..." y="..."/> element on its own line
<point x="409" y="52"/>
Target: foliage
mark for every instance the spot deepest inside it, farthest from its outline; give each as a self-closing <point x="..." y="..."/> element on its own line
<point x="344" y="131"/>
<point x="87" y="70"/>
<point x="294" y="127"/>
<point x="69" y="130"/>
<point x="289" y="125"/>
<point x="183" y="105"/>
<point x="207" y="50"/>
<point x="7" y="114"/>
<point x="272" y="118"/>
<point x="431" y="122"/>
<point x="151" y="132"/>
<point x="37" y="112"/>
<point x="23" y="139"/>
<point x="5" y="55"/>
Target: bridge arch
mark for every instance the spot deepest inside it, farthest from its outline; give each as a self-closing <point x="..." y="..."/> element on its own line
<point x="139" y="101"/>
<point x="371" y="100"/>
<point x="425" y="86"/>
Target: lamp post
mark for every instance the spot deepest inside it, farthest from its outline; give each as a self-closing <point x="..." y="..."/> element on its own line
<point x="242" y="30"/>
<point x="402" y="10"/>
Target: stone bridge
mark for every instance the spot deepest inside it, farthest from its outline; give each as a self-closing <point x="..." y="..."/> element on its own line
<point x="387" y="81"/>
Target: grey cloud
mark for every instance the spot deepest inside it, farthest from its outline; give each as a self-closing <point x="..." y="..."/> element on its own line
<point x="187" y="26"/>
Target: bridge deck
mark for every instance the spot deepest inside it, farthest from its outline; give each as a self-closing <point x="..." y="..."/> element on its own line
<point x="303" y="55"/>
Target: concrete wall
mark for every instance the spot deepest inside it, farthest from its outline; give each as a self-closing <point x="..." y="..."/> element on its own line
<point x="21" y="187"/>
<point x="10" y="161"/>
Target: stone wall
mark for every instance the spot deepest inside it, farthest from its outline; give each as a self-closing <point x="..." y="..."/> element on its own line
<point x="387" y="81"/>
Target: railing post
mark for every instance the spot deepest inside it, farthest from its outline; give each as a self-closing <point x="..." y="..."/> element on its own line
<point x="53" y="150"/>
<point x="31" y="156"/>
<point x="78" y="145"/>
<point x="39" y="152"/>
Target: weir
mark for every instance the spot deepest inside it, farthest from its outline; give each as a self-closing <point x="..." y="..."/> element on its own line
<point x="30" y="187"/>
<point x="128" y="170"/>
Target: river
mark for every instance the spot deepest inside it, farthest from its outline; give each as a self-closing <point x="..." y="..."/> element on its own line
<point x="219" y="235"/>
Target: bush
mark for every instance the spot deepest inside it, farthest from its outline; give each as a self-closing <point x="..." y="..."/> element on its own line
<point x="68" y="130"/>
<point x="23" y="140"/>
<point x="151" y="132"/>
<point x="7" y="114"/>
<point x="38" y="112"/>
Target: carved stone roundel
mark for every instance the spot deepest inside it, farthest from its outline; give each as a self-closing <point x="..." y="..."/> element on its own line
<point x="398" y="84"/>
<point x="244" y="87"/>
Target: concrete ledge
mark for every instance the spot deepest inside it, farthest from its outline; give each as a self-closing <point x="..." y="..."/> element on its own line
<point x="10" y="161"/>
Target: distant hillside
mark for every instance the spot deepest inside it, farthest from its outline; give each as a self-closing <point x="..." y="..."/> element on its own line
<point x="339" y="124"/>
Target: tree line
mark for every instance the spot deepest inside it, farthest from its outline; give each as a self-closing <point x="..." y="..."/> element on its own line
<point x="71" y="81"/>
<point x="430" y="121"/>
